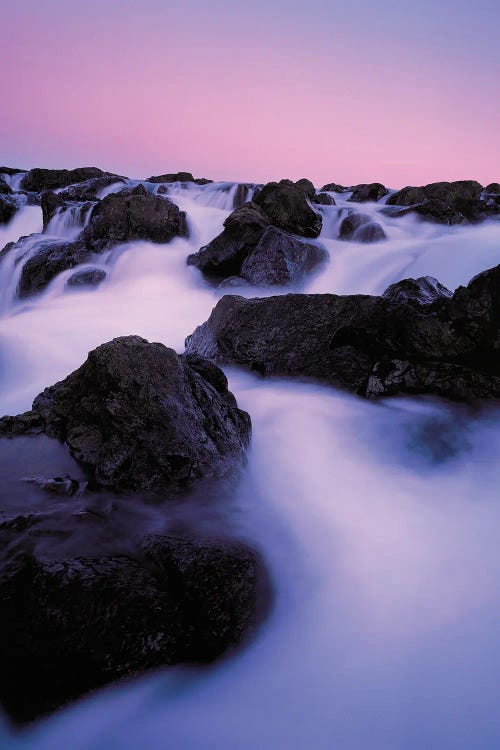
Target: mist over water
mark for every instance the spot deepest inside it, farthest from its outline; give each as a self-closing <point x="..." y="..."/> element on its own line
<point x="379" y="521"/>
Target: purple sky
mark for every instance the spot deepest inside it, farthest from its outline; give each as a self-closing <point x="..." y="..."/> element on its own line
<point x="347" y="91"/>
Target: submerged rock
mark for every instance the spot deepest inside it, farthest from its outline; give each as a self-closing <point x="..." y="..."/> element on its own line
<point x="414" y="339"/>
<point x="71" y="625"/>
<point x="373" y="191"/>
<point x="323" y="199"/>
<point x="86" y="277"/>
<point x="357" y="227"/>
<point x="136" y="415"/>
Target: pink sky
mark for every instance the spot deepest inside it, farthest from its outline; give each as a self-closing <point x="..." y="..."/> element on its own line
<point x="335" y="91"/>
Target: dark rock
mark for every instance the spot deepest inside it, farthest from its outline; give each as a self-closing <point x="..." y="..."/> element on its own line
<point x="422" y="291"/>
<point x="373" y="191"/>
<point x="323" y="199"/>
<point x="224" y="255"/>
<point x="8" y="208"/>
<point x="88" y="190"/>
<point x="133" y="215"/>
<point x="50" y="203"/>
<point x="449" y="346"/>
<point x="408" y="196"/>
<point x="242" y="194"/>
<point x="63" y="485"/>
<point x="233" y="282"/>
<point x="50" y="259"/>
<point x="37" y="180"/>
<point x="358" y="227"/>
<point x="332" y="187"/>
<point x="10" y="171"/>
<point x="492" y="189"/>
<point x="4" y="188"/>
<point x="69" y="626"/>
<point x="446" y="202"/>
<point x="179" y="177"/>
<point x="286" y="205"/>
<point x="135" y="415"/>
<point x="162" y="190"/>
<point x="86" y="277"/>
<point x="281" y="259"/>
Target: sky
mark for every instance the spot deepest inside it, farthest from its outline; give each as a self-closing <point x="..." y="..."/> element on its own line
<point x="347" y="91"/>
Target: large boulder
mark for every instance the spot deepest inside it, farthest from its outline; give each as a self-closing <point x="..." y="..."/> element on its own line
<point x="133" y="215"/>
<point x="446" y="202"/>
<point x="333" y="187"/>
<point x="372" y="191"/>
<point x="8" y="207"/>
<point x="286" y="205"/>
<point x="179" y="177"/>
<point x="49" y="260"/>
<point x="73" y="624"/>
<point x="37" y="179"/>
<point x="86" y="277"/>
<point x="357" y="227"/>
<point x="449" y="346"/>
<point x="421" y="291"/>
<point x="323" y="199"/>
<point x="135" y="415"/>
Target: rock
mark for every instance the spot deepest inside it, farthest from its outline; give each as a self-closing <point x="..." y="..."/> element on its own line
<point x="4" y="188"/>
<point x="332" y="187"/>
<point x="10" y="171"/>
<point x="71" y="625"/>
<point x="446" y="202"/>
<point x="50" y="259"/>
<point x="224" y="255"/>
<point x="323" y="199"/>
<point x="233" y="282"/>
<point x="492" y="189"/>
<point x="133" y="215"/>
<point x="86" y="277"/>
<point x="50" y="203"/>
<point x="370" y="345"/>
<point x="408" y="196"/>
<point x="37" y="180"/>
<point x="285" y="204"/>
<point x="179" y="177"/>
<point x="358" y="227"/>
<point x="8" y="208"/>
<point x="281" y="259"/>
<point x="373" y="191"/>
<point x="243" y="193"/>
<point x="64" y="485"/>
<point x="422" y="291"/>
<point x="89" y="190"/>
<point x="135" y="415"/>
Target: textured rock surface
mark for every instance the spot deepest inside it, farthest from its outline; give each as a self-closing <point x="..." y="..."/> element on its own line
<point x="370" y="345"/>
<point x="8" y="208"/>
<point x="357" y="227"/>
<point x="373" y="191"/>
<point x="37" y="179"/>
<point x="136" y="415"/>
<point x="286" y="205"/>
<point x="86" y="277"/>
<point x="446" y="202"/>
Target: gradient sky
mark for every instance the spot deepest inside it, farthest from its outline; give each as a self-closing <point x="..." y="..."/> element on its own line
<point x="401" y="91"/>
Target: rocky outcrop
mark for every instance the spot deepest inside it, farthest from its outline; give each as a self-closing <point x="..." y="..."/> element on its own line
<point x="71" y="625"/>
<point x="135" y="415"/>
<point x="372" y="191"/>
<point x="37" y="180"/>
<point x="86" y="277"/>
<point x="4" y="188"/>
<point x="445" y="202"/>
<point x="50" y="259"/>
<point x="286" y="205"/>
<point x="323" y="199"/>
<point x="357" y="227"/>
<point x="179" y="177"/>
<point x="333" y="187"/>
<point x="373" y="346"/>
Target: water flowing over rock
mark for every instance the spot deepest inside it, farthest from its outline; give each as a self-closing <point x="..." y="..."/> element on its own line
<point x="86" y="277"/>
<point x="371" y="345"/>
<point x="8" y="208"/>
<point x="358" y="227"/>
<point x="71" y="625"/>
<point x="373" y="191"/>
<point x="136" y="415"/>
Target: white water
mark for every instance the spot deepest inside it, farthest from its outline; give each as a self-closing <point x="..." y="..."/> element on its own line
<point x="379" y="523"/>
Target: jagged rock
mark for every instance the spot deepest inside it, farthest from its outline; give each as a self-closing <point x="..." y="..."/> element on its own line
<point x="242" y="194"/>
<point x="373" y="191"/>
<point x="445" y="202"/>
<point x="88" y="190"/>
<point x="71" y="625"/>
<point x="37" y="180"/>
<point x="358" y="227"/>
<point x="86" y="277"/>
<point x="10" y="171"/>
<point x="285" y="204"/>
<point x="50" y="259"/>
<point x="449" y="346"/>
<point x="8" y="208"/>
<point x="492" y="189"/>
<point x="422" y="291"/>
<point x="323" y="199"/>
<point x="136" y="415"/>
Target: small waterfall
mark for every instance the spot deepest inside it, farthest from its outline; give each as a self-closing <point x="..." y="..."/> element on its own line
<point x="68" y="221"/>
<point x="13" y="180"/>
<point x="12" y="263"/>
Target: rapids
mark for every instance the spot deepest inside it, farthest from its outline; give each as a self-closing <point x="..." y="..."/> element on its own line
<point x="379" y="521"/>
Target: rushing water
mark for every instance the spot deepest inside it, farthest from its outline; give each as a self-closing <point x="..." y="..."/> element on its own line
<point x="379" y="522"/>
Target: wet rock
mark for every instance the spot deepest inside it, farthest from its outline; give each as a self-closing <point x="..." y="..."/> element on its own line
<point x="86" y="277"/>
<point x="373" y="191"/>
<point x="357" y="227"/>
<point x="286" y="205"/>
<point x="179" y="177"/>
<point x="449" y="346"/>
<point x="492" y="189"/>
<point x="446" y="202"/>
<point x="133" y="215"/>
<point x="8" y="207"/>
<point x="333" y="187"/>
<point x="281" y="259"/>
<point x="10" y="171"/>
<point x="4" y="188"/>
<point x="323" y="199"/>
<point x="243" y="193"/>
<point x="422" y="291"/>
<point x="50" y="259"/>
<point x="135" y="415"/>
<point x="71" y="625"/>
<point x="233" y="282"/>
<point x="37" y="180"/>
<point x="89" y="190"/>
<point x="64" y="485"/>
